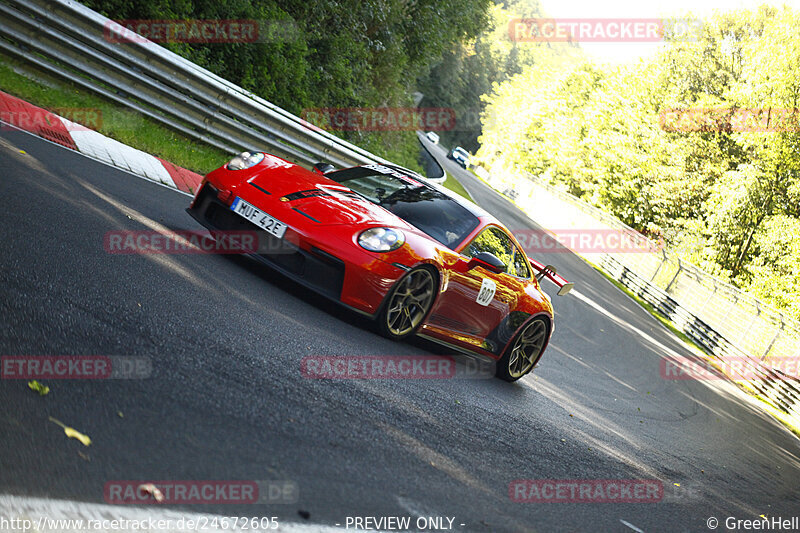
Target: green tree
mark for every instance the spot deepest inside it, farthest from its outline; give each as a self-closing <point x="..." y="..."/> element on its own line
<point x="715" y="187"/>
<point x="314" y="54"/>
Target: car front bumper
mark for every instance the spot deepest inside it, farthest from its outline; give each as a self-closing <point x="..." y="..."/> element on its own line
<point x="334" y="268"/>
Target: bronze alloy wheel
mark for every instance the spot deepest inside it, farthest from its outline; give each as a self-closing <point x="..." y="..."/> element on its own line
<point x="408" y="303"/>
<point x="524" y="352"/>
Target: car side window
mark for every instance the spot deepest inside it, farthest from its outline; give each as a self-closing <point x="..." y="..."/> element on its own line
<point x="496" y="242"/>
<point x="521" y="265"/>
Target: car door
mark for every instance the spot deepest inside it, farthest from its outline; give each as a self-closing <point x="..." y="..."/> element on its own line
<point x="477" y="300"/>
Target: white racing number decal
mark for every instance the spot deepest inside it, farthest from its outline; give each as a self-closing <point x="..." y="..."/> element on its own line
<point x="486" y="294"/>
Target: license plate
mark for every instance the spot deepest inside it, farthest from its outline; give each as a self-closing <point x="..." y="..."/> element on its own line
<point x="259" y="218"/>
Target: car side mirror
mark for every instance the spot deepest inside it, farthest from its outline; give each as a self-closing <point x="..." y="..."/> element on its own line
<point x="323" y="168"/>
<point x="487" y="260"/>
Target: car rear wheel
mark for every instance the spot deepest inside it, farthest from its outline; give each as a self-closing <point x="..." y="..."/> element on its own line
<point x="524" y="352"/>
<point x="407" y="304"/>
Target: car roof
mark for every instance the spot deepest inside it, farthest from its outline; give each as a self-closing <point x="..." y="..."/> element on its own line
<point x="460" y="200"/>
<point x="484" y="216"/>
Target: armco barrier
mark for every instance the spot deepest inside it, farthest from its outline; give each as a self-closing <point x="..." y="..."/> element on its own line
<point x="66" y="39"/>
<point x="773" y="384"/>
<point x="725" y="321"/>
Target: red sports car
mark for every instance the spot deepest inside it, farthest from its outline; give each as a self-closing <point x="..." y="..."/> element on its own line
<point x="384" y="242"/>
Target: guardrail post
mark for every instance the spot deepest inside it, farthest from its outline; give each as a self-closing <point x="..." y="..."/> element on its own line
<point x="680" y="267"/>
<point x="702" y="307"/>
<point x="772" y="342"/>
<point x="728" y="312"/>
<point x="658" y="268"/>
<point x="749" y="326"/>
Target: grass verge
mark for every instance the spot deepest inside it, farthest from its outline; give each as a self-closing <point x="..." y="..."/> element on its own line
<point x="455" y="186"/>
<point x="108" y="118"/>
<point x="131" y="128"/>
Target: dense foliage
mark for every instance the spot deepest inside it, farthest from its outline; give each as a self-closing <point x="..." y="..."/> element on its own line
<point x="350" y="53"/>
<point x="469" y="69"/>
<point x="726" y="194"/>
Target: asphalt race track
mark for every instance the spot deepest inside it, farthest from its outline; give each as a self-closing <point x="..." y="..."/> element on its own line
<point x="227" y="401"/>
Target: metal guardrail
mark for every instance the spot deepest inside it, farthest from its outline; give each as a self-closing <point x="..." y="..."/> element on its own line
<point x="66" y="39"/>
<point x="782" y="390"/>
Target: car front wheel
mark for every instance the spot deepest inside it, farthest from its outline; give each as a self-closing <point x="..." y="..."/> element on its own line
<point x="407" y="304"/>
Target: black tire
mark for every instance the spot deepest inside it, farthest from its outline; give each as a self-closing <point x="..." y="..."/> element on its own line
<point x="524" y="351"/>
<point x="408" y="303"/>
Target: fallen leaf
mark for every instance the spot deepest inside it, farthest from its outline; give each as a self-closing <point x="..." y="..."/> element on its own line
<point x="152" y="490"/>
<point x="72" y="433"/>
<point x="38" y="387"/>
<point x="677" y="484"/>
<point x="119" y="414"/>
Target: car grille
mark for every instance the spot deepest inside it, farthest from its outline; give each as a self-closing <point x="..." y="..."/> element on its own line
<point x="318" y="269"/>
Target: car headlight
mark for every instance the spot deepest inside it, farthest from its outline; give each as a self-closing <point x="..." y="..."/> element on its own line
<point x="381" y="239"/>
<point x="245" y="160"/>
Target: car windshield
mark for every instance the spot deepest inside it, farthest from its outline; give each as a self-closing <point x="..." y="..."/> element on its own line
<point x="461" y="151"/>
<point x="422" y="206"/>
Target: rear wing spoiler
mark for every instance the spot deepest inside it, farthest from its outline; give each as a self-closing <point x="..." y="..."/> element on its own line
<point x="549" y="272"/>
